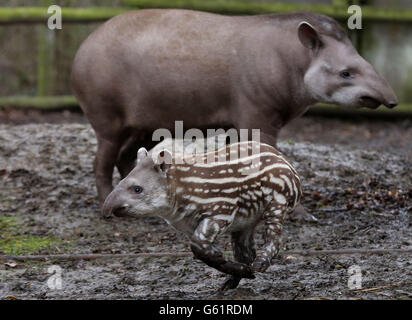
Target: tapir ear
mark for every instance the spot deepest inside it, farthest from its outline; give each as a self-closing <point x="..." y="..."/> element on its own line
<point x="164" y="161"/>
<point x="308" y="36"/>
<point x="141" y="154"/>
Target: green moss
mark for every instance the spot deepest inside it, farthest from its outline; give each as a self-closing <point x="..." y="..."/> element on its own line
<point x="49" y="102"/>
<point x="407" y="92"/>
<point x="24" y="244"/>
<point x="237" y="7"/>
<point x="14" y="243"/>
<point x="369" y="43"/>
<point x="40" y="14"/>
<point x="340" y="3"/>
<point x="84" y="14"/>
<point x="337" y="10"/>
<point x="7" y="223"/>
<point x="45" y="55"/>
<point x="290" y="142"/>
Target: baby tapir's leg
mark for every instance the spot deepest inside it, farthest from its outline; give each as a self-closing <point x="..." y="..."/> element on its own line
<point x="203" y="249"/>
<point x="273" y="219"/>
<point x="244" y="251"/>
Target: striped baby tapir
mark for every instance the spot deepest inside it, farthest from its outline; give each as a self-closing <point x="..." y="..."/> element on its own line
<point x="204" y="195"/>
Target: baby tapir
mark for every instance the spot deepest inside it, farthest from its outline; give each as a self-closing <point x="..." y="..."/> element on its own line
<point x="205" y="195"/>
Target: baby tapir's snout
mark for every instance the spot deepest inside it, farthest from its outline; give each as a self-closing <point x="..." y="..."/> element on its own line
<point x="114" y="205"/>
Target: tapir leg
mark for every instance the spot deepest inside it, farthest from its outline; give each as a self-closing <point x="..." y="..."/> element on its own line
<point x="299" y="213"/>
<point x="203" y="249"/>
<point x="268" y="133"/>
<point x="273" y="220"/>
<point x="126" y="159"/>
<point x="244" y="251"/>
<point x="107" y="152"/>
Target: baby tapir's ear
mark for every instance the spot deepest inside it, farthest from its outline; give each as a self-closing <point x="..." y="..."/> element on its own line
<point x="141" y="154"/>
<point x="163" y="161"/>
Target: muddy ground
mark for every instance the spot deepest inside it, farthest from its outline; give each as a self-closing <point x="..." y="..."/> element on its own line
<point x="356" y="181"/>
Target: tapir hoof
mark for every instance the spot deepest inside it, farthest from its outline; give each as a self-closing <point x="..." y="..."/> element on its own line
<point x="300" y="214"/>
<point x="230" y="283"/>
<point x="239" y="270"/>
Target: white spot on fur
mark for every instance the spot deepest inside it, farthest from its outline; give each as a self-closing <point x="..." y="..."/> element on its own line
<point x="229" y="190"/>
<point x="210" y="200"/>
<point x="266" y="190"/>
<point x="234" y="179"/>
<point x="277" y="181"/>
<point x="245" y="196"/>
<point x="183" y="168"/>
<point x="279" y="198"/>
<point x="287" y="180"/>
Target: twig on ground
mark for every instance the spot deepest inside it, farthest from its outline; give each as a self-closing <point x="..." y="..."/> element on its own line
<point x="382" y="287"/>
<point x="347" y="251"/>
<point x="187" y="253"/>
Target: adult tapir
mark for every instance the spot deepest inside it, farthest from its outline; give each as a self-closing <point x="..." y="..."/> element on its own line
<point x="142" y="70"/>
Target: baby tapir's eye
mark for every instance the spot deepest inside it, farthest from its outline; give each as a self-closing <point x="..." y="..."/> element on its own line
<point x="138" y="189"/>
<point x="345" y="74"/>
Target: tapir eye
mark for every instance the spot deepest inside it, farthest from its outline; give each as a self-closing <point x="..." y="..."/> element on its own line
<point x="345" y="74"/>
<point x="138" y="189"/>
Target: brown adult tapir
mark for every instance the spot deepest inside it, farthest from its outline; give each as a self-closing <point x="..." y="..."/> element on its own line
<point x="142" y="70"/>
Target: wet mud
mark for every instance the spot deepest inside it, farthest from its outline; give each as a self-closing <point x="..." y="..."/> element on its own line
<point x="356" y="182"/>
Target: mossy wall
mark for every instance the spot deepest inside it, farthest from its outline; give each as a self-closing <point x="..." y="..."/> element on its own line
<point x="19" y="57"/>
<point x="388" y="46"/>
<point x="63" y="3"/>
<point x="391" y="3"/>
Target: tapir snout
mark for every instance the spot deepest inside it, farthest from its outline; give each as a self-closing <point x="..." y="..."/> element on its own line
<point x="113" y="206"/>
<point x="389" y="98"/>
<point x="380" y="92"/>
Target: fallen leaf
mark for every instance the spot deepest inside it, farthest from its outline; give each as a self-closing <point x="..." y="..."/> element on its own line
<point x="10" y="264"/>
<point x="290" y="258"/>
